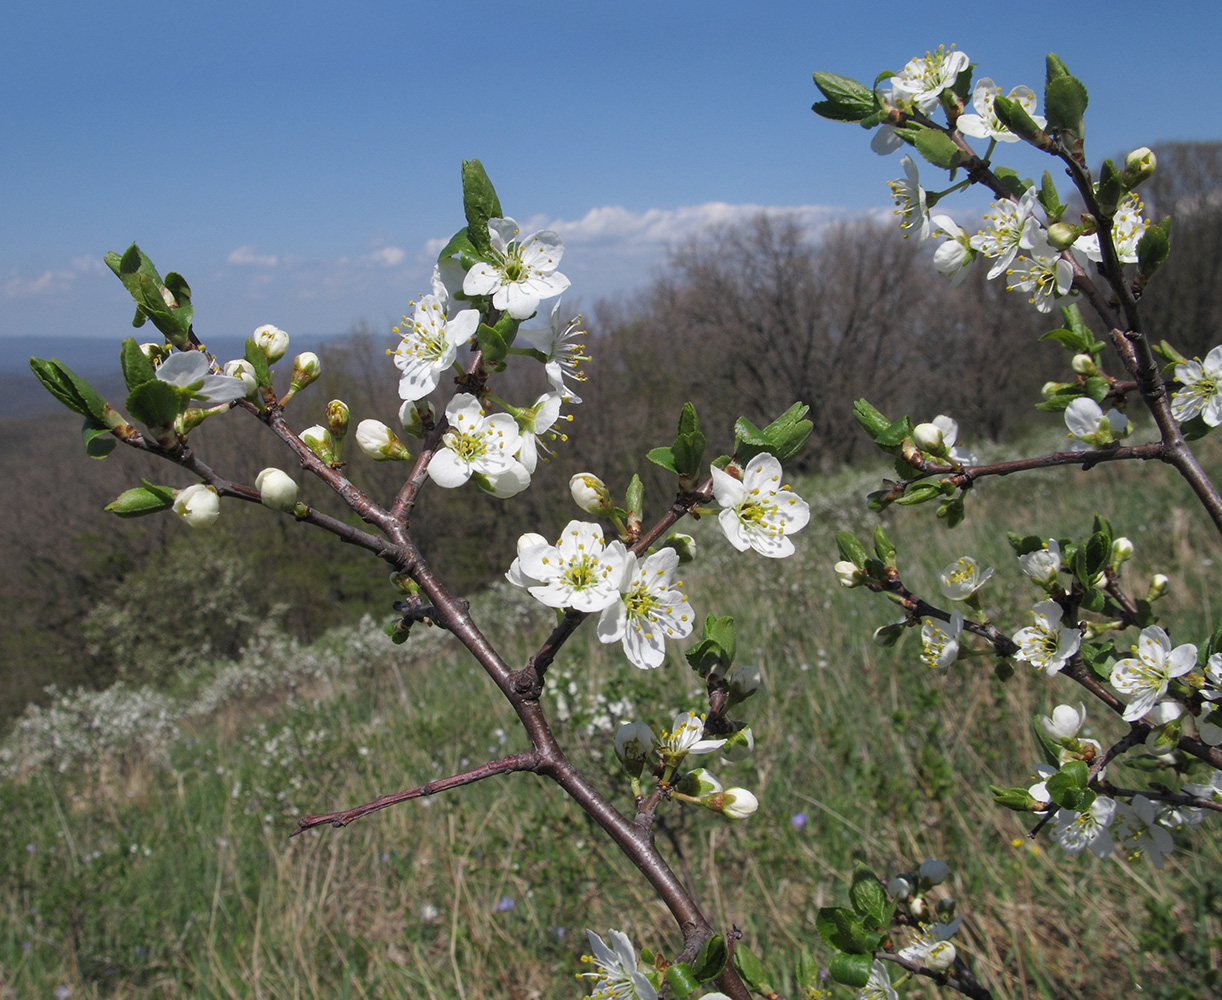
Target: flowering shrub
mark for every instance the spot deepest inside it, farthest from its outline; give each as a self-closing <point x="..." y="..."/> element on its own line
<point x="488" y="281"/>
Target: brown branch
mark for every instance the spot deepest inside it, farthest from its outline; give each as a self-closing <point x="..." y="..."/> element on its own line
<point x="525" y="761"/>
<point x="961" y="980"/>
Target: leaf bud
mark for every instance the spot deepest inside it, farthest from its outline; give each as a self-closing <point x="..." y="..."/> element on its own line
<point x="272" y="341"/>
<point x="318" y="440"/>
<point x="338" y="416"/>
<point x="591" y="494"/>
<point x="243" y="369"/>
<point x="306" y="368"/>
<point x="1139" y="166"/>
<point x="380" y="443"/>
<point x="1159" y="585"/>
<point x="198" y="505"/>
<point x="277" y="490"/>
<point x="634" y="746"/>
<point x="933" y="871"/>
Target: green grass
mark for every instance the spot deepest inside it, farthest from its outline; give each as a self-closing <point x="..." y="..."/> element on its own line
<point x="130" y="878"/>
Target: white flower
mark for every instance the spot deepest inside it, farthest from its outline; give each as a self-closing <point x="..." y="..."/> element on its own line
<point x="940" y="641"/>
<point x="1064" y="723"/>
<point x="1212" y="688"/>
<point x="1136" y="831"/>
<point x="1013" y="226"/>
<point x="634" y="743"/>
<point x="521" y="273"/>
<point x="938" y="437"/>
<point x="1128" y="227"/>
<point x="590" y="493"/>
<point x="189" y="370"/>
<point x="480" y="447"/>
<point x="272" y="341"/>
<point x="561" y="354"/>
<point x="962" y="578"/>
<point x="1090" y="428"/>
<point x="650" y="608"/>
<point x="198" y="505"/>
<point x="910" y="202"/>
<point x="577" y="572"/>
<point x="1044" y="645"/>
<point x="1045" y="274"/>
<point x="955" y="256"/>
<point x="241" y="368"/>
<point x="1043" y="565"/>
<point x="515" y="574"/>
<point x="924" y="78"/>
<point x="537" y="421"/>
<point x="1147" y="675"/>
<point x="1198" y="392"/>
<point x="759" y="513"/>
<point x="985" y="124"/>
<point x="879" y="985"/>
<point x="617" y="977"/>
<point x="927" y="940"/>
<point x="430" y="345"/>
<point x="1077" y="830"/>
<point x="276" y="489"/>
<point x="379" y="442"/>
<point x="687" y="736"/>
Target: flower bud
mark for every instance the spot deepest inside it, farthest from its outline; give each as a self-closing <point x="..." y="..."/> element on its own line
<point x="1050" y="389"/>
<point x="699" y="784"/>
<point x="945" y="909"/>
<point x="380" y="443"/>
<point x="933" y="871"/>
<point x="1122" y="551"/>
<point x="940" y="956"/>
<point x="888" y="635"/>
<point x="742" y="682"/>
<point x="683" y="544"/>
<point x="928" y="438"/>
<point x="1061" y="235"/>
<point x="1084" y="364"/>
<point x="272" y="341"/>
<point x="1139" y="166"/>
<point x="1064" y="722"/>
<point x="402" y="582"/>
<point x="591" y="494"/>
<point x="276" y="490"/>
<point x="243" y="369"/>
<point x="198" y="505"/>
<point x="848" y="575"/>
<point x="411" y="416"/>
<point x="739" y="745"/>
<point x="337" y="419"/>
<point x="1159" y="585"/>
<point x="318" y="440"/>
<point x="306" y="368"/>
<point x="156" y="352"/>
<point x="634" y="746"/>
<point x="899" y="888"/>
<point x="738" y="803"/>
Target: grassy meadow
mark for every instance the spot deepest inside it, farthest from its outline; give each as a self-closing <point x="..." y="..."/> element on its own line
<point x="144" y="839"/>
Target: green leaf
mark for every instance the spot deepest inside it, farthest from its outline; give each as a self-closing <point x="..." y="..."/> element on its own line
<point x="142" y="500"/>
<point x="1018" y="799"/>
<point x="480" y="203"/>
<point x="1011" y="180"/>
<point x="664" y="457"/>
<point x="1054" y="67"/>
<point x="883" y="547"/>
<point x="1094" y="600"/>
<point x="896" y="432"/>
<point x="1050" y="200"/>
<point x="851" y="970"/>
<point x="69" y="388"/>
<point x="840" y="928"/>
<point x="1154" y="247"/>
<point x="851" y="550"/>
<point x="1024" y="544"/>
<point x="681" y="980"/>
<point x="1014" y="117"/>
<point x="137" y="369"/>
<point x="952" y="512"/>
<point x="1111" y="188"/>
<point x="939" y="149"/>
<point x="460" y="243"/>
<point x="258" y="361"/>
<point x="868" y="897"/>
<point x="750" y="967"/>
<point x="872" y="422"/>
<point x="920" y="493"/>
<point x="148" y="290"/>
<point x="1065" y="101"/>
<point x="98" y="439"/>
<point x="688" y="449"/>
<point x="155" y="404"/>
<point x="711" y="960"/>
<point x="847" y="100"/>
<point x="1067" y="788"/>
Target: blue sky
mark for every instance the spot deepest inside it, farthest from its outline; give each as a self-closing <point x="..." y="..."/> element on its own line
<point x="296" y="162"/>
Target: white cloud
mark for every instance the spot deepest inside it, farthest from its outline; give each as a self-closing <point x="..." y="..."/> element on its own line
<point x="387" y="256"/>
<point x="245" y="255"/>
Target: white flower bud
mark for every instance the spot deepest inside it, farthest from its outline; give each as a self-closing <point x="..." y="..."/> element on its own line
<point x="306" y="368"/>
<point x="338" y="416"/>
<point x="940" y="956"/>
<point x="684" y="545"/>
<point x="156" y="352"/>
<point x="928" y="438"/>
<point x="1159" y="584"/>
<point x="409" y="416"/>
<point x="1084" y="364"/>
<point x="380" y="443"/>
<point x="700" y="784"/>
<point x="1061" y="236"/>
<point x="243" y="369"/>
<point x="1064" y="722"/>
<point x="634" y="746"/>
<point x="198" y="505"/>
<point x="1122" y="551"/>
<point x="272" y="341"/>
<point x="1139" y="166"/>
<point x="738" y="803"/>
<point x="742" y="681"/>
<point x="933" y="871"/>
<point x="276" y="490"/>
<point x="739" y="745"/>
<point x="848" y="575"/>
<point x="591" y="494"/>
<point x="318" y="439"/>
<point x="899" y="888"/>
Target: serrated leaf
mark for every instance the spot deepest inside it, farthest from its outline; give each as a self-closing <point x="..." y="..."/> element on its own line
<point x="681" y="980"/>
<point x="1094" y="600"/>
<point x="749" y="966"/>
<point x="1065" y="101"/>
<point x="895" y="433"/>
<point x="843" y="88"/>
<point x="480" y="203"/>
<point x="842" y="111"/>
<point x="840" y="928"/>
<point x="1154" y="247"/>
<point x="492" y="344"/>
<point x="664" y="457"/>
<point x="870" y="419"/>
<point x="851" y="550"/>
<point x="1070" y="339"/>
<point x="69" y="388"/>
<point x="939" y="149"/>
<point x="868" y="897"/>
<point x="137" y="369"/>
<point x="155" y="404"/>
<point x="851" y="970"/>
<point x="258" y="361"/>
